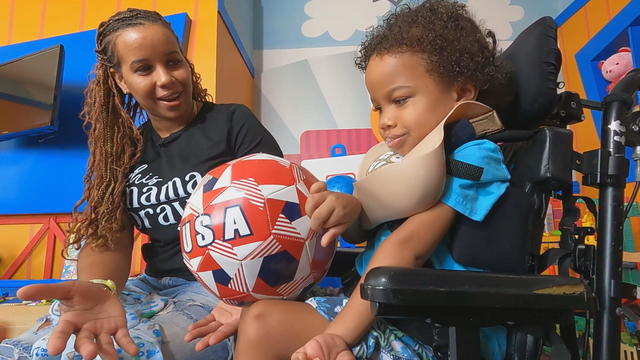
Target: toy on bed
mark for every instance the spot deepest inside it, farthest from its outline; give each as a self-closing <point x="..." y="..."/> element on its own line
<point x="616" y="66"/>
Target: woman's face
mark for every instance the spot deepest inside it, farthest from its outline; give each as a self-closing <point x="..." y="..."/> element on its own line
<point x="154" y="71"/>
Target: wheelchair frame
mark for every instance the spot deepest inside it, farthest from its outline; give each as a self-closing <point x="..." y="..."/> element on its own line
<point x="395" y="294"/>
<point x="613" y="172"/>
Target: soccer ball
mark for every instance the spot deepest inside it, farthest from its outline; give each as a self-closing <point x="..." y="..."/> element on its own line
<point x="245" y="234"/>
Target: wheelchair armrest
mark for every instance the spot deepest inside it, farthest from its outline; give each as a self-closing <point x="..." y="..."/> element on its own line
<point x="462" y="296"/>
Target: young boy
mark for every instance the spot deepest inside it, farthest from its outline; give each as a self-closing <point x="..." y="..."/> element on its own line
<point x="422" y="66"/>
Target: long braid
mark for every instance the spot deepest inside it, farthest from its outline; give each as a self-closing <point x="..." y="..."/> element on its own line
<point x="114" y="141"/>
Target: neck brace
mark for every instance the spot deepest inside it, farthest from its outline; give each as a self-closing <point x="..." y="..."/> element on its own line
<point x="390" y="187"/>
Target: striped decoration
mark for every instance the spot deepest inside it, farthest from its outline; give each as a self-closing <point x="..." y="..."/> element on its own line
<point x="250" y="189"/>
<point x="268" y="247"/>
<point x="224" y="249"/>
<point x="284" y="227"/>
<point x="291" y="288"/>
<point x="299" y="175"/>
<point x="239" y="281"/>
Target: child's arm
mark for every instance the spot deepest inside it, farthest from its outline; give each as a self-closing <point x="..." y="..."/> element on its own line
<point x="220" y="324"/>
<point x="410" y="245"/>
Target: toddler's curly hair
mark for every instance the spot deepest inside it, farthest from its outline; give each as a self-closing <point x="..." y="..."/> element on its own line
<point x="454" y="47"/>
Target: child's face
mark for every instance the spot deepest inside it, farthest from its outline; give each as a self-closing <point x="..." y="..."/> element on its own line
<point x="410" y="100"/>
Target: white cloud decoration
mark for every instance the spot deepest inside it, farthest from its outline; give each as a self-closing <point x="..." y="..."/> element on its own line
<point x="497" y="15"/>
<point x="341" y="18"/>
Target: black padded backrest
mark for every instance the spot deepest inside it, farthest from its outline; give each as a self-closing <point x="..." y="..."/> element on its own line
<point x="509" y="238"/>
<point x="533" y="63"/>
<point x="499" y="243"/>
<point x="510" y="235"/>
<point x="546" y="161"/>
<point x="540" y="168"/>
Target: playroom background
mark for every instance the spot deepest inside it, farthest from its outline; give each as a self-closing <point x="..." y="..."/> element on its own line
<point x="291" y="61"/>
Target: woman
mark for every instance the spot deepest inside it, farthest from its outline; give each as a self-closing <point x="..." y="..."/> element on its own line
<point x="141" y="177"/>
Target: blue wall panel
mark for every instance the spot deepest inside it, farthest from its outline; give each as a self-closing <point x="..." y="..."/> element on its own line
<point x="43" y="175"/>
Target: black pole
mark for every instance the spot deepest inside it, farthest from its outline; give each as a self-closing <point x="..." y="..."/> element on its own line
<point x="608" y="269"/>
<point x="614" y="168"/>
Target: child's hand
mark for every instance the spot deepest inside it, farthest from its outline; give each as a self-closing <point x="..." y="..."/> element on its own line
<point x="324" y="347"/>
<point x="331" y="211"/>
<point x="221" y="323"/>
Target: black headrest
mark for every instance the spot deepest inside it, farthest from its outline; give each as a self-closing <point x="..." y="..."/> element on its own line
<point x="533" y="62"/>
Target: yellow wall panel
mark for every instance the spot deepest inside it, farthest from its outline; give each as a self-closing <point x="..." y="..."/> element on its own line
<point x="27" y="20"/>
<point x="203" y="41"/>
<point x="34" y="266"/>
<point x="597" y="14"/>
<point x="572" y="36"/>
<point x="96" y="12"/>
<point x="13" y="238"/>
<point x="6" y="7"/>
<point x="140" y="4"/>
<point x="32" y="19"/>
<point x="616" y="5"/>
<point x="62" y="17"/>
<point x="30" y="269"/>
<point x="169" y="7"/>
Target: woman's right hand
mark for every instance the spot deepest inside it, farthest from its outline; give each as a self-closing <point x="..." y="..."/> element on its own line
<point x="91" y="312"/>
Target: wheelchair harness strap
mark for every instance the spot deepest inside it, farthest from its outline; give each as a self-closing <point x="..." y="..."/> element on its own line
<point x="464" y="170"/>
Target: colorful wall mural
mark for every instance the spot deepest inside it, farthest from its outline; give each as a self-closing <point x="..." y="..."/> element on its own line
<point x="42" y="176"/>
<point x="578" y="24"/>
<point x="308" y="46"/>
<point x="290" y="60"/>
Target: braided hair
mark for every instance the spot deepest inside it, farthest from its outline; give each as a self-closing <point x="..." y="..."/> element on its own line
<point x="114" y="140"/>
<point x="443" y="32"/>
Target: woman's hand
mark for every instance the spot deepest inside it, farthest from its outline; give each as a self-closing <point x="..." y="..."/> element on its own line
<point x="325" y="346"/>
<point x="221" y="323"/>
<point x="331" y="211"/>
<point x="91" y="312"/>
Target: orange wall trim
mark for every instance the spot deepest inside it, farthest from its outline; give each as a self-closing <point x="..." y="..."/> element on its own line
<point x="573" y="34"/>
<point x="27" y="20"/>
<point x="31" y="245"/>
<point x="37" y="253"/>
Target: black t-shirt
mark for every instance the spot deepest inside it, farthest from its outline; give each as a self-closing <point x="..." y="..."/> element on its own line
<point x="169" y="169"/>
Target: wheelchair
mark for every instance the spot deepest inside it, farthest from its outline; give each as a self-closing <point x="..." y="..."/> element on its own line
<point x="541" y="159"/>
